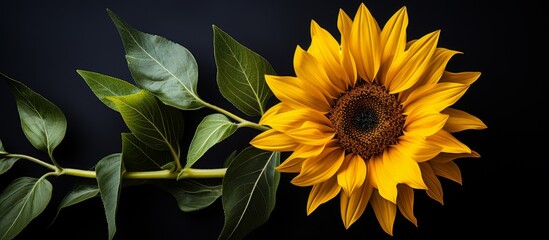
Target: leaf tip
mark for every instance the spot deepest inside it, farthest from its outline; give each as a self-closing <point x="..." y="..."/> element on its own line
<point x="6" y="77"/>
<point x="80" y="72"/>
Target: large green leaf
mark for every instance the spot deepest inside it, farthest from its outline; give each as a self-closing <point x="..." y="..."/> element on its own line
<point x="192" y="194"/>
<point x="137" y="156"/>
<point x="241" y="74"/>
<point x="249" y="191"/>
<point x="43" y="123"/>
<point x="109" y="175"/>
<point x="212" y="130"/>
<point x="5" y="162"/>
<point x="104" y="86"/>
<point x="22" y="201"/>
<point x="153" y="123"/>
<point x="161" y="66"/>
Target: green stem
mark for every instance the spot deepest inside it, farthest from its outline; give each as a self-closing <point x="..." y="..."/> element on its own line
<point x="34" y="160"/>
<point x="242" y="122"/>
<point x="175" y="155"/>
<point x="253" y="125"/>
<point x="203" y="173"/>
<point x="160" y="174"/>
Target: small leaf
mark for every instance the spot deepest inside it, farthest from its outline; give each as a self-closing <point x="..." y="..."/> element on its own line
<point x="169" y="166"/>
<point x="43" y="123"/>
<point x="163" y="67"/>
<point x="22" y="201"/>
<point x="109" y="175"/>
<point x="2" y="150"/>
<point x="249" y="191"/>
<point x="83" y="190"/>
<point x="241" y="74"/>
<point x="155" y="124"/>
<point x="192" y="194"/>
<point x="137" y="156"/>
<point x="5" y="163"/>
<point x="104" y="86"/>
<point x="213" y="129"/>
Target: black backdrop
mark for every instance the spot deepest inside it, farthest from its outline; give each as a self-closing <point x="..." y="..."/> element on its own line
<point x="43" y="43"/>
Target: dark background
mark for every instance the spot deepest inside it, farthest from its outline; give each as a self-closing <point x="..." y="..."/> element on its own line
<point x="43" y="43"/>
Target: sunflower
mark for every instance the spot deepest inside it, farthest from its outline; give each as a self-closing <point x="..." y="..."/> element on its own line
<point x="368" y="117"/>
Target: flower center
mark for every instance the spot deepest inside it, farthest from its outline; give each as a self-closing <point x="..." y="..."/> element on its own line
<point x="367" y="119"/>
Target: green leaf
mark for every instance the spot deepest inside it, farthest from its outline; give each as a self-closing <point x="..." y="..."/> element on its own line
<point x="161" y="66"/>
<point x="43" y="123"/>
<point x="241" y="74"/>
<point x="83" y="190"/>
<point x="104" y="86"/>
<point x="22" y="201"/>
<point x="212" y="129"/>
<point x="109" y="175"/>
<point x="137" y="156"/>
<point x="153" y="123"/>
<point x="5" y="163"/>
<point x="249" y="191"/>
<point x="192" y="194"/>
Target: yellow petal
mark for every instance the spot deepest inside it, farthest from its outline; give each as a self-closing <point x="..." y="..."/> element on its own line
<point x="344" y="24"/>
<point x="272" y="140"/>
<point x="381" y="178"/>
<point x="418" y="148"/>
<point x="325" y="48"/>
<point x="438" y="63"/>
<point x="296" y="94"/>
<point x="365" y="43"/>
<point x="466" y="78"/>
<point x="460" y="120"/>
<point x="322" y="193"/>
<point x="408" y="67"/>
<point x="405" y="202"/>
<point x="306" y="151"/>
<point x="313" y="75"/>
<point x="311" y="133"/>
<point x="291" y="165"/>
<point x="352" y="206"/>
<point x="449" y="170"/>
<point x="294" y="119"/>
<point x="436" y="68"/>
<point x="434" y="98"/>
<point x="402" y="167"/>
<point x="447" y="157"/>
<point x="352" y="173"/>
<point x="385" y="212"/>
<point x="423" y="123"/>
<point x="393" y="41"/>
<point x="449" y="143"/>
<point x="301" y="152"/>
<point x="273" y="111"/>
<point x="434" y="188"/>
<point x="320" y="168"/>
